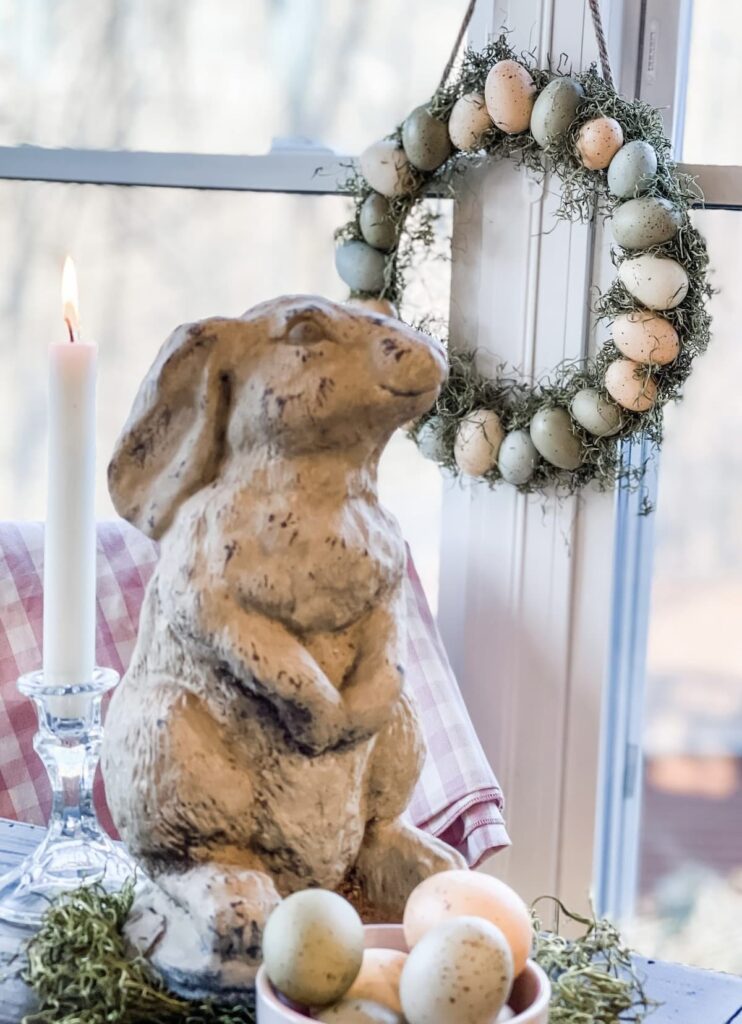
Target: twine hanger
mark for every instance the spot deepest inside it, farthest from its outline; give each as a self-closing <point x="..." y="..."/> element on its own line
<point x="594" y="5"/>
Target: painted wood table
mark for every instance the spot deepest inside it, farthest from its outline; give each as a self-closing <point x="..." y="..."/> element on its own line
<point x="685" y="995"/>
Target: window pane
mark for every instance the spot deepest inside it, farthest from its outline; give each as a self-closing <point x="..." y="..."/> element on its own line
<point x="690" y="898"/>
<point x="200" y="76"/>
<point x="149" y="259"/>
<point x="714" y="84"/>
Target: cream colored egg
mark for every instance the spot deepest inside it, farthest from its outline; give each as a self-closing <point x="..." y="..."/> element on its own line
<point x="452" y="894"/>
<point x="469" y="121"/>
<point x="646" y="338"/>
<point x="386" y="168"/>
<point x="555" y="109"/>
<point x="629" y="384"/>
<point x="478" y="441"/>
<point x="517" y="458"/>
<point x="509" y="93"/>
<point x="505" y="1014"/>
<point x="313" y="947"/>
<point x="598" y="141"/>
<point x="378" y="978"/>
<point x="644" y="222"/>
<point x="656" y="281"/>
<point x="552" y="434"/>
<point x="595" y="414"/>
<point x="358" y="1011"/>
<point x="459" y="973"/>
<point x="382" y="306"/>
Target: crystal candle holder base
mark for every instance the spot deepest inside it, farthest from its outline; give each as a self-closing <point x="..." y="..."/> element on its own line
<point x="75" y="851"/>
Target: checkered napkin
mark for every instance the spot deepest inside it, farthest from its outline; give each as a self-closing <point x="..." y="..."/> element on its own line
<point x="457" y="797"/>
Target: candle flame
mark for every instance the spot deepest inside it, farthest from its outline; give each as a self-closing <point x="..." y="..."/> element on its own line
<point x="69" y="298"/>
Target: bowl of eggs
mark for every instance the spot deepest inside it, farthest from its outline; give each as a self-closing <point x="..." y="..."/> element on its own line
<point x="460" y="956"/>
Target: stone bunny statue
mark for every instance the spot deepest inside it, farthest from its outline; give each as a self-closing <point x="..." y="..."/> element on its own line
<point x="262" y="740"/>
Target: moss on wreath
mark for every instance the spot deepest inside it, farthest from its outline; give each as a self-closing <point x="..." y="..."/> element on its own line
<point x="584" y="195"/>
<point x="83" y="972"/>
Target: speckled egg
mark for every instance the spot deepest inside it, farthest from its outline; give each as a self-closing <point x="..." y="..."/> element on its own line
<point x="656" y="281"/>
<point x="555" y="109"/>
<point x="644" y="222"/>
<point x="596" y="414"/>
<point x="646" y="338"/>
<point x="517" y="457"/>
<point x="313" y="947"/>
<point x="425" y="140"/>
<point x="632" y="170"/>
<point x="360" y="266"/>
<point x="430" y="440"/>
<point x="552" y="434"/>
<point x="509" y="93"/>
<point x="382" y="306"/>
<point x="462" y="893"/>
<point x="386" y="168"/>
<point x="478" y="441"/>
<point x="376" y="224"/>
<point x="359" y="1011"/>
<point x="629" y="384"/>
<point x="459" y="973"/>
<point x="598" y="141"/>
<point x="379" y="976"/>
<point x="469" y="121"/>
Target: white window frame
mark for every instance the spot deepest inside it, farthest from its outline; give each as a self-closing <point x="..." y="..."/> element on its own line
<point x="538" y="608"/>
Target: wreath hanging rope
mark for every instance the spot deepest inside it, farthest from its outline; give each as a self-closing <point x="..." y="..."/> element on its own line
<point x="613" y="159"/>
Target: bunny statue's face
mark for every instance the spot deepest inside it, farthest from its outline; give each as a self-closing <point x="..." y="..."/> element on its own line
<point x="292" y="376"/>
<point x="326" y="376"/>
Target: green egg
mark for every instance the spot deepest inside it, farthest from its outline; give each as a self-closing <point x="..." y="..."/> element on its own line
<point x="644" y="222"/>
<point x="376" y="224"/>
<point x="551" y="433"/>
<point x="425" y="140"/>
<point x="555" y="109"/>
<point x="632" y="170"/>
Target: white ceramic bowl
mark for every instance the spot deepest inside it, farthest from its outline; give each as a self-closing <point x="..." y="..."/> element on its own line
<point x="529" y="999"/>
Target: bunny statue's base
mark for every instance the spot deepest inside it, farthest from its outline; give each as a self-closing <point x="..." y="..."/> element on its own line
<point x="262" y="740"/>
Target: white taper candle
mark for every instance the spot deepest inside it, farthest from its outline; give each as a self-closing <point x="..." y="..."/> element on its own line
<point x="70" y="541"/>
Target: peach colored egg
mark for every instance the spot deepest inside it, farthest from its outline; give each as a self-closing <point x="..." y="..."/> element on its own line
<point x="450" y="894"/>
<point x="646" y="338"/>
<point x="469" y="121"/>
<point x="383" y="306"/>
<point x="378" y="978"/>
<point x="629" y="384"/>
<point x="510" y="93"/>
<point x="598" y="142"/>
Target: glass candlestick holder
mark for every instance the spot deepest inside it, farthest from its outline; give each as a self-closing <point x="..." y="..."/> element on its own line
<point x="75" y="851"/>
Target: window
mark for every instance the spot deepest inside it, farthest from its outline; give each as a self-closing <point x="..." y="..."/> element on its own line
<point x="199" y="90"/>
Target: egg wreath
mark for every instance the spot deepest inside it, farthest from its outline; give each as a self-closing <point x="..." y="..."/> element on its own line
<point x="613" y="159"/>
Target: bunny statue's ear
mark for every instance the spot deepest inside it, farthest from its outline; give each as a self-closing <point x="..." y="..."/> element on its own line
<point x="173" y="440"/>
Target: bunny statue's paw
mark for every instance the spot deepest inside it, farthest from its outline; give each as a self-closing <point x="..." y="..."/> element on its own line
<point x="394" y="858"/>
<point x="202" y="928"/>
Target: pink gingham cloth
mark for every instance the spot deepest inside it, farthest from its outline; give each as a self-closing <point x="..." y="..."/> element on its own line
<point x="457" y="798"/>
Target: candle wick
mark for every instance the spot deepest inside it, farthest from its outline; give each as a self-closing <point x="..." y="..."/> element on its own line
<point x="71" y="330"/>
